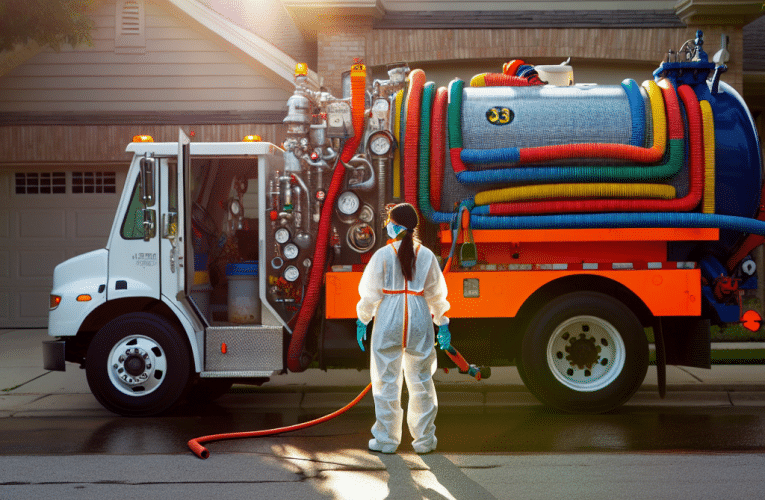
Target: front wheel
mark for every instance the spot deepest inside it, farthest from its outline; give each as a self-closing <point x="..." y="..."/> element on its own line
<point x="584" y="352"/>
<point x="138" y="365"/>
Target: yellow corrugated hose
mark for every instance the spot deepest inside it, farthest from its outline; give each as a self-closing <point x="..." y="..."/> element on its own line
<point x="708" y="123"/>
<point x="478" y="80"/>
<point x="397" y="135"/>
<point x="658" y="115"/>
<point x="577" y="190"/>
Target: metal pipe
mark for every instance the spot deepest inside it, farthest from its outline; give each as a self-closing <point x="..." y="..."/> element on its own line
<point x="369" y="183"/>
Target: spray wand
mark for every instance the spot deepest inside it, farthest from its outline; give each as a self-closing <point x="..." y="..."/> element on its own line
<point x="479" y="372"/>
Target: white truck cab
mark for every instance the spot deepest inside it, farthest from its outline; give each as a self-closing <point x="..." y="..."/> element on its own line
<point x="137" y="313"/>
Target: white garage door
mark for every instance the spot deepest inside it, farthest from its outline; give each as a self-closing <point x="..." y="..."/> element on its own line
<point x="48" y="215"/>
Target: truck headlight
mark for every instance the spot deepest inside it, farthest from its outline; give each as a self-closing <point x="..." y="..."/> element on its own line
<point x="55" y="300"/>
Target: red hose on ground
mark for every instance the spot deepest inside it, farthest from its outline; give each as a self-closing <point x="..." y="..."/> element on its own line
<point x="313" y="290"/>
<point x="195" y="445"/>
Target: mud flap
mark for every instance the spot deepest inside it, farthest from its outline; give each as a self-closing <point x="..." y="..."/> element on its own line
<point x="688" y="341"/>
<point x="681" y="341"/>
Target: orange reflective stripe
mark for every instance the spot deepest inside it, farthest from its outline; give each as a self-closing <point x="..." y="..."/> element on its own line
<point x="406" y="314"/>
<point x="406" y="291"/>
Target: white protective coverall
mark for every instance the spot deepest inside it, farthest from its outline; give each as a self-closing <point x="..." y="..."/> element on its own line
<point x="402" y="339"/>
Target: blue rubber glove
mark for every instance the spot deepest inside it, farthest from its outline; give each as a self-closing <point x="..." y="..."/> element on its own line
<point x="444" y="337"/>
<point x="361" y="333"/>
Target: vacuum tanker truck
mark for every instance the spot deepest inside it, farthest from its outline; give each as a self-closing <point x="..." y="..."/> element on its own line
<point x="571" y="220"/>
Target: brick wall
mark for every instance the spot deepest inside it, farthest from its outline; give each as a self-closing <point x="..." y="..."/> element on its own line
<point x="338" y="44"/>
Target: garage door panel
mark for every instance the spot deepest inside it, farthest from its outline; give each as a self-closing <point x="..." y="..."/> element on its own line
<point x="94" y="224"/>
<point x="39" y="263"/>
<point x="33" y="304"/>
<point x="5" y="190"/>
<point x="39" y="230"/>
<point x="5" y="225"/>
<point x="5" y="305"/>
<point x="41" y="224"/>
<point x="5" y="263"/>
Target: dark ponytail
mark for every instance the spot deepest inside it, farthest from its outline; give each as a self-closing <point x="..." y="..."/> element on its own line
<point x="406" y="255"/>
<point x="405" y="215"/>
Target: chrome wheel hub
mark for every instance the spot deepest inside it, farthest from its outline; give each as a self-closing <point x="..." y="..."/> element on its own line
<point x="586" y="353"/>
<point x="137" y="365"/>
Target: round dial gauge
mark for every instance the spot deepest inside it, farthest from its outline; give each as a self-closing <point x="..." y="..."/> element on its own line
<point x="290" y="251"/>
<point x="380" y="105"/>
<point x="282" y="235"/>
<point x="361" y="237"/>
<point x="235" y="207"/>
<point x="348" y="203"/>
<point x="379" y="143"/>
<point x="291" y="273"/>
<point x="367" y="214"/>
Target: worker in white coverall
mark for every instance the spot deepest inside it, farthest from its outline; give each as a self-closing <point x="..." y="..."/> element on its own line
<point x="403" y="288"/>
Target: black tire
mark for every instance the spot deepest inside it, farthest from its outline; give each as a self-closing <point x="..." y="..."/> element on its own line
<point x="138" y="365"/>
<point x="584" y="352"/>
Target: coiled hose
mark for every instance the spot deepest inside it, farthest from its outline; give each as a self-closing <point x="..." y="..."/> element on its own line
<point x="684" y="204"/>
<point x="661" y="119"/>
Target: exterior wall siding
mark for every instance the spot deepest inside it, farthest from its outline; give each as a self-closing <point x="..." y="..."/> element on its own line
<point x="183" y="69"/>
<point x="54" y="144"/>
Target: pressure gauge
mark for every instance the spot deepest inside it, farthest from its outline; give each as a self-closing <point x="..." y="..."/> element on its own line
<point x="282" y="235"/>
<point x="367" y="214"/>
<point x="360" y="237"/>
<point x="235" y="207"/>
<point x="380" y="106"/>
<point x="348" y="203"/>
<point x="290" y="251"/>
<point x="379" y="143"/>
<point x="380" y="110"/>
<point x="291" y="273"/>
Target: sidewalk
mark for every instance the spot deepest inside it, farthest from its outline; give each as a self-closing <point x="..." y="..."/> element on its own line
<point x="25" y="387"/>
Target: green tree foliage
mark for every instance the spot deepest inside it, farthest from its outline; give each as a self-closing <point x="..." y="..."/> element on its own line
<point x="47" y="22"/>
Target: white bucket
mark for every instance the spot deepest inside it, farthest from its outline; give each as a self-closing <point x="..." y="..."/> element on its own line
<point x="562" y="76"/>
<point x="243" y="298"/>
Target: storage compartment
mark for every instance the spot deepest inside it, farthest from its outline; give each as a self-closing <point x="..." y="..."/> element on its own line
<point x="243" y="349"/>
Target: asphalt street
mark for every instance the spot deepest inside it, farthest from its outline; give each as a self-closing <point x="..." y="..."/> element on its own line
<point x="704" y="440"/>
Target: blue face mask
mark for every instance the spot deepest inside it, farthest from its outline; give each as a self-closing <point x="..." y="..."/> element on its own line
<point x="394" y="230"/>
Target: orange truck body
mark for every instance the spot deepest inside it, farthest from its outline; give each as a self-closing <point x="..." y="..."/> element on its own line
<point x="520" y="262"/>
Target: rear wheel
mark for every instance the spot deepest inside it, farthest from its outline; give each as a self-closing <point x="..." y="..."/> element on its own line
<point x="138" y="365"/>
<point x="584" y="352"/>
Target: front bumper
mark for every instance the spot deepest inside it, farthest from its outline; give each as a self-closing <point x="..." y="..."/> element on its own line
<point x="53" y="355"/>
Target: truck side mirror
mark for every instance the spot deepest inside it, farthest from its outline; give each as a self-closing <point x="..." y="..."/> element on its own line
<point x="147" y="180"/>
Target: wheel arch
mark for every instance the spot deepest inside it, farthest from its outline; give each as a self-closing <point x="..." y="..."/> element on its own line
<point x="577" y="283"/>
<point x="78" y="345"/>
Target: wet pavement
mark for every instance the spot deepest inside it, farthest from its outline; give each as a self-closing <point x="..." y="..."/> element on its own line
<point x="704" y="440"/>
<point x="526" y="429"/>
